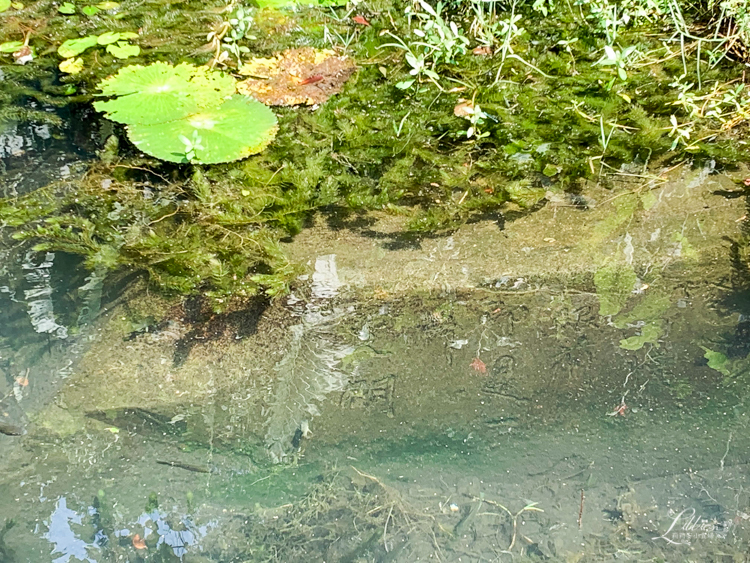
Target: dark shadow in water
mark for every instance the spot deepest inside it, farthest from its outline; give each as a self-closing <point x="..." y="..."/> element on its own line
<point x="207" y="326"/>
<point x="338" y="219"/>
<point x="140" y="421"/>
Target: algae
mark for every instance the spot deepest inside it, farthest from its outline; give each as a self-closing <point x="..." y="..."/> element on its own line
<point x="614" y="285"/>
<point x="649" y="334"/>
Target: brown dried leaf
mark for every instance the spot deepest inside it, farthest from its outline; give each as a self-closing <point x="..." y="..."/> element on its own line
<point x="464" y="108"/>
<point x="297" y="76"/>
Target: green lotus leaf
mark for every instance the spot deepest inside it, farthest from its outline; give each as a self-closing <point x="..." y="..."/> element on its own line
<point x="123" y="50"/>
<point x="90" y="10"/>
<point x="67" y="8"/>
<point x="227" y="132"/>
<point x="159" y="92"/>
<point x="108" y="5"/>
<point x="4" y="5"/>
<point x="74" y="47"/>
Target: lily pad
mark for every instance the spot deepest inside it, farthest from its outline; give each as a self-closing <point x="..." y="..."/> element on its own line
<point x="115" y="36"/>
<point x="90" y="10"/>
<point x="230" y="131"/>
<point x="159" y="93"/>
<point x="74" y="47"/>
<point x="108" y="37"/>
<point x="4" y="5"/>
<point x="297" y="76"/>
<point x="67" y="8"/>
<point x="108" y="5"/>
<point x="123" y="50"/>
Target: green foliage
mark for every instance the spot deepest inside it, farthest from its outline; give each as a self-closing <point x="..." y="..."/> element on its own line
<point x="186" y="113"/>
<point x="231" y="131"/>
<point x="73" y="47"/>
<point x="717" y="361"/>
<point x="546" y="116"/>
<point x="222" y="244"/>
<point x="160" y="92"/>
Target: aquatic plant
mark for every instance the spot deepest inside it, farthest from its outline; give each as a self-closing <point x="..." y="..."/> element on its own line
<point x="547" y="118"/>
<point x="186" y="113"/>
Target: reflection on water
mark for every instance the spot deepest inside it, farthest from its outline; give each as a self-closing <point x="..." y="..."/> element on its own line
<point x="309" y="370"/>
<point x="33" y="155"/>
<point x="62" y="537"/>
<point x="151" y="531"/>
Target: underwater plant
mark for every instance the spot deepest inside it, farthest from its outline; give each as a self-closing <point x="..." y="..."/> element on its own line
<point x="164" y="106"/>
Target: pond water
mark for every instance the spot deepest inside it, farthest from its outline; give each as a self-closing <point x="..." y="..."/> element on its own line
<point x="564" y="385"/>
<point x="473" y="397"/>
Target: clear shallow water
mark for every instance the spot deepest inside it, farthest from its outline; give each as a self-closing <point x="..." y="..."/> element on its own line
<point x="342" y="428"/>
<point x="346" y="422"/>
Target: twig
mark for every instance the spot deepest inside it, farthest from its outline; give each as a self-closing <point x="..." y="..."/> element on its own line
<point x="531" y="507"/>
<point x="385" y="529"/>
<point x="580" y="510"/>
<point x="141" y="168"/>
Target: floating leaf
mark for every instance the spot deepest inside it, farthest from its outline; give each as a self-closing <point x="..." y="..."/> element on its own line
<point x="123" y="50"/>
<point x="115" y="36"/>
<point x="4" y="5"/>
<point x="74" y="47"/>
<point x="67" y="8"/>
<point x="108" y="5"/>
<point x="297" y="76"/>
<point x="230" y="131"/>
<point x="72" y="66"/>
<point x="160" y="92"/>
<point x="90" y="10"/>
<point x="108" y="37"/>
<point x="17" y="5"/>
<point x="10" y="46"/>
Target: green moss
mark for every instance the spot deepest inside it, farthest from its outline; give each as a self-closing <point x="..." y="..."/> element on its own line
<point x="647" y="334"/>
<point x="614" y="285"/>
<point x="650" y="308"/>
